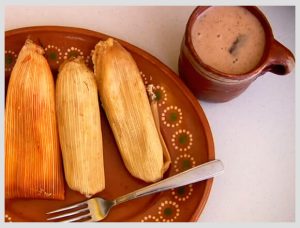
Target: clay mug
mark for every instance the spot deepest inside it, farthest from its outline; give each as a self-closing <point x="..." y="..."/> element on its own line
<point x="209" y="84"/>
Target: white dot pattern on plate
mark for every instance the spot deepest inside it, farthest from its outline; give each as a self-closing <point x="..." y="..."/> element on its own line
<point x="184" y="162"/>
<point x="53" y="53"/>
<point x="182" y="140"/>
<point x="146" y="79"/>
<point x="161" y="95"/>
<point x="168" y="211"/>
<point x="150" y="218"/>
<point x="172" y="116"/>
<point x="89" y="57"/>
<point x="73" y="52"/>
<point x="182" y="193"/>
<point x="10" y="58"/>
<point x="8" y="218"/>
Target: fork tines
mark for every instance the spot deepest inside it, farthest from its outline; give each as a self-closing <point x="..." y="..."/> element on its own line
<point x="72" y="213"/>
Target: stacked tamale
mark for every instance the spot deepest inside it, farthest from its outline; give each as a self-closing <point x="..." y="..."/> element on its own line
<point x="32" y="157"/>
<point x="124" y="99"/>
<point x="79" y="126"/>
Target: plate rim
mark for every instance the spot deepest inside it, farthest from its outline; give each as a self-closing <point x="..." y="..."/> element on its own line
<point x="167" y="71"/>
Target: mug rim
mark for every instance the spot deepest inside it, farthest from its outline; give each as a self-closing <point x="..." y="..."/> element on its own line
<point x="269" y="37"/>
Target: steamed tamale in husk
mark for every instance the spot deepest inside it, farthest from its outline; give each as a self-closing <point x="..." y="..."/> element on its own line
<point x="79" y="126"/>
<point x="33" y="167"/>
<point x="124" y="99"/>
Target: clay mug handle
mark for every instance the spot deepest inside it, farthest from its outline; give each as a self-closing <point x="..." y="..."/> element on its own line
<point x="281" y="60"/>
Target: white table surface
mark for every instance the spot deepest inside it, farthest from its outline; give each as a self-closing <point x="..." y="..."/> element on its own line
<point x="254" y="134"/>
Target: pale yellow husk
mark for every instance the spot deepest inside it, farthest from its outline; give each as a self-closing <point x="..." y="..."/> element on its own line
<point x="124" y="99"/>
<point x="79" y="125"/>
<point x="33" y="167"/>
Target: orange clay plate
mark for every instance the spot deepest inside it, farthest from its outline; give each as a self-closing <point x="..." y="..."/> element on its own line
<point x="183" y="122"/>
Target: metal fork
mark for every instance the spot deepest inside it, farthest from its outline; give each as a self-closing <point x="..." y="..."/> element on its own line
<point x="96" y="209"/>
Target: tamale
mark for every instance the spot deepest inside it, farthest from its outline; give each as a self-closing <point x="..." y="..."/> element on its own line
<point x="33" y="167"/>
<point x="79" y="126"/>
<point x="124" y="99"/>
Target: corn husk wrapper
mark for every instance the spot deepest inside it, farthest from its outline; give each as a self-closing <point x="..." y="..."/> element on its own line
<point x="78" y="114"/>
<point x="33" y="167"/>
<point x="124" y="99"/>
<point x="155" y="113"/>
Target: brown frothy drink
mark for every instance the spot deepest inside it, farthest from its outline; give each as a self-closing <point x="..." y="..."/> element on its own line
<point x="229" y="39"/>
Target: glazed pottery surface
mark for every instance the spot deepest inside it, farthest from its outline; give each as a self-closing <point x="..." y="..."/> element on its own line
<point x="209" y="84"/>
<point x="183" y="124"/>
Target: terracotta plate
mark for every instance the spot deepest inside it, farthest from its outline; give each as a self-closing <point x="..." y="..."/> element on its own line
<point x="184" y="127"/>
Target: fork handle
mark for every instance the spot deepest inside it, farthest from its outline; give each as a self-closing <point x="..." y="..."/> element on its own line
<point x="198" y="173"/>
